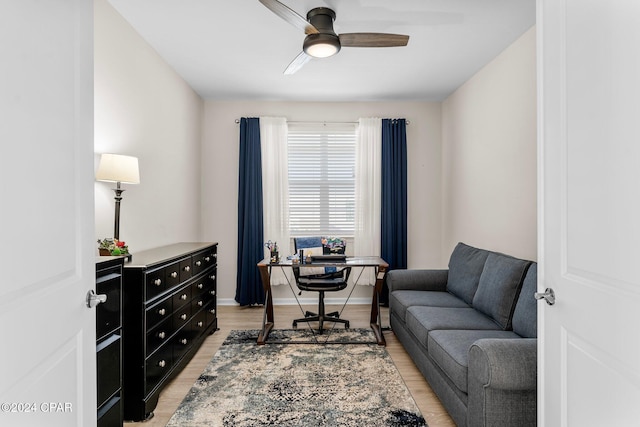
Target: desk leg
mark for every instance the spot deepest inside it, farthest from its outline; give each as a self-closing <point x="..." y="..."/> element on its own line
<point x="376" y="319"/>
<point x="267" y="318"/>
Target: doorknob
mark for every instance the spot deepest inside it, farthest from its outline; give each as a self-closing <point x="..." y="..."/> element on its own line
<point x="549" y="296"/>
<point x="94" y="299"/>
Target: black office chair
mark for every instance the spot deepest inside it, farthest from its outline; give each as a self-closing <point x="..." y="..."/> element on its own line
<point x="328" y="279"/>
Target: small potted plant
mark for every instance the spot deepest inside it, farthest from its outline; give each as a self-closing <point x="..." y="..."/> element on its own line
<point x="114" y="247"/>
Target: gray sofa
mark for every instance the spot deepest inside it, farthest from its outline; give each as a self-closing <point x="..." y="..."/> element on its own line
<point x="472" y="332"/>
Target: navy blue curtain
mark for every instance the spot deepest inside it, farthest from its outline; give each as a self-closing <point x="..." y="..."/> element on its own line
<point x="249" y="288"/>
<point x="394" y="197"/>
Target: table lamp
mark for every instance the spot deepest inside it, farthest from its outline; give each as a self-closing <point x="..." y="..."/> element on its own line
<point x="119" y="169"/>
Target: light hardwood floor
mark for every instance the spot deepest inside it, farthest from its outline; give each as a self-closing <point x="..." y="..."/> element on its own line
<point x="233" y="317"/>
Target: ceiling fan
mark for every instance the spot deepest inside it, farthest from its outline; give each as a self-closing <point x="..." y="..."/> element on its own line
<point x="321" y="41"/>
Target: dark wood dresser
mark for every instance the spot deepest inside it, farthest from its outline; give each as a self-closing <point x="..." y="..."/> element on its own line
<point x="109" y="341"/>
<point x="169" y="299"/>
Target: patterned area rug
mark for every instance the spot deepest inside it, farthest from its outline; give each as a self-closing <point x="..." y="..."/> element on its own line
<point x="299" y="384"/>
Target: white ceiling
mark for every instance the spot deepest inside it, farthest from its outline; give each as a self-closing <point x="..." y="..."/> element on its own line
<point x="238" y="49"/>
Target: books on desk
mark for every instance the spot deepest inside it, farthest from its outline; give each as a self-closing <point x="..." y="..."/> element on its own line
<point x="328" y="258"/>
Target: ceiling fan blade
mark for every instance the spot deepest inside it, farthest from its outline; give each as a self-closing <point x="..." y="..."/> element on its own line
<point x="297" y="63"/>
<point x="290" y="16"/>
<point x="373" y="40"/>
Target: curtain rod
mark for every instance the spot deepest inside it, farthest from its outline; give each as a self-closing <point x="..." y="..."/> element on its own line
<point x="323" y="122"/>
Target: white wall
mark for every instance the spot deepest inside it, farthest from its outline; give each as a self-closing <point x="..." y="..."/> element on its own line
<point x="489" y="156"/>
<point x="143" y="108"/>
<point x="220" y="173"/>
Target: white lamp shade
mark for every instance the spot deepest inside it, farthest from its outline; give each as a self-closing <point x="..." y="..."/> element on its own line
<point x="118" y="168"/>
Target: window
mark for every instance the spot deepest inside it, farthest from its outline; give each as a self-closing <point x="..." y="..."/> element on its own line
<point x="322" y="179"/>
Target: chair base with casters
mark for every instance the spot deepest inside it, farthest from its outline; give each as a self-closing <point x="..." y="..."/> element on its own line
<point x="321" y="286"/>
<point x="330" y="279"/>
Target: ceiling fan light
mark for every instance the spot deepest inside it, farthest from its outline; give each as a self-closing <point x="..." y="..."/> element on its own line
<point x="321" y="45"/>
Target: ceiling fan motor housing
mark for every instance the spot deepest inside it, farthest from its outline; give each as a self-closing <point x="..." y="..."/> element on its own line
<point x="322" y="19"/>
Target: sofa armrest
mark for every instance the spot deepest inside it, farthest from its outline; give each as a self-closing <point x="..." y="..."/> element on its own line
<point x="503" y="382"/>
<point x="417" y="280"/>
<point x="507" y="364"/>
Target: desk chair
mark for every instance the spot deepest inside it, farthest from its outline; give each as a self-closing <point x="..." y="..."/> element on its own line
<point x="320" y="279"/>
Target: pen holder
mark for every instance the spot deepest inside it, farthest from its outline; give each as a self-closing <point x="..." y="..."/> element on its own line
<point x="274" y="257"/>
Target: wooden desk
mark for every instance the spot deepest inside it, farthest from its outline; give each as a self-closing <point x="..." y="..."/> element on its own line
<point x="377" y="263"/>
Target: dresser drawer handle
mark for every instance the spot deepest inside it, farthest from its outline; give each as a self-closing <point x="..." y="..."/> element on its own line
<point x="183" y="341"/>
<point x="212" y="277"/>
<point x="200" y="324"/>
<point x="212" y="292"/>
<point x="183" y="297"/>
<point x="157" y="282"/>
<point x="162" y="312"/>
<point x="198" y="263"/>
<point x="174" y="274"/>
<point x="200" y="286"/>
<point x="212" y="311"/>
<point x="187" y="268"/>
<point x="162" y="363"/>
<point x="215" y="255"/>
<point x="183" y="316"/>
<point x="162" y="335"/>
<point x="207" y="259"/>
<point x="200" y="303"/>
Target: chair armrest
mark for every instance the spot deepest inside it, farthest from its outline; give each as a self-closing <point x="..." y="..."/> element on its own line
<point x="417" y="280"/>
<point x="505" y="364"/>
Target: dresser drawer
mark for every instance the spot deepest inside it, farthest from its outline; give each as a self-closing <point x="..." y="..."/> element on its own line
<point x="160" y="335"/>
<point x="110" y="414"/>
<point x="211" y="276"/>
<point x="199" y="263"/>
<point x="211" y="312"/>
<point x="182" y="342"/>
<point x="157" y="366"/>
<point x="108" y="313"/>
<point x="209" y="295"/>
<point x="159" y="312"/>
<point x="203" y="260"/>
<point x="182" y="317"/>
<point x="198" y="303"/>
<point x="155" y="283"/>
<point x="199" y="322"/>
<point x="172" y="272"/>
<point x="108" y="368"/>
<point x="199" y="286"/>
<point x="181" y="297"/>
<point x="185" y="269"/>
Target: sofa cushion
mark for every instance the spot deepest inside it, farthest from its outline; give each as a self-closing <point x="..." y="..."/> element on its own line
<point x="499" y="286"/>
<point x="421" y="320"/>
<point x="399" y="301"/>
<point x="525" y="316"/>
<point x="449" y="349"/>
<point x="465" y="267"/>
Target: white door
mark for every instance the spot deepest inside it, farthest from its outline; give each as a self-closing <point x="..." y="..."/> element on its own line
<point x="589" y="210"/>
<point x="47" y="252"/>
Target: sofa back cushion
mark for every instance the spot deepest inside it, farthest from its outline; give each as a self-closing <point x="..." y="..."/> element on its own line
<point x="525" y="316"/>
<point x="465" y="267"/>
<point x="499" y="287"/>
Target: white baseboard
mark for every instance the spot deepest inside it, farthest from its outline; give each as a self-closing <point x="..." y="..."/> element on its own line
<point x="304" y="301"/>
